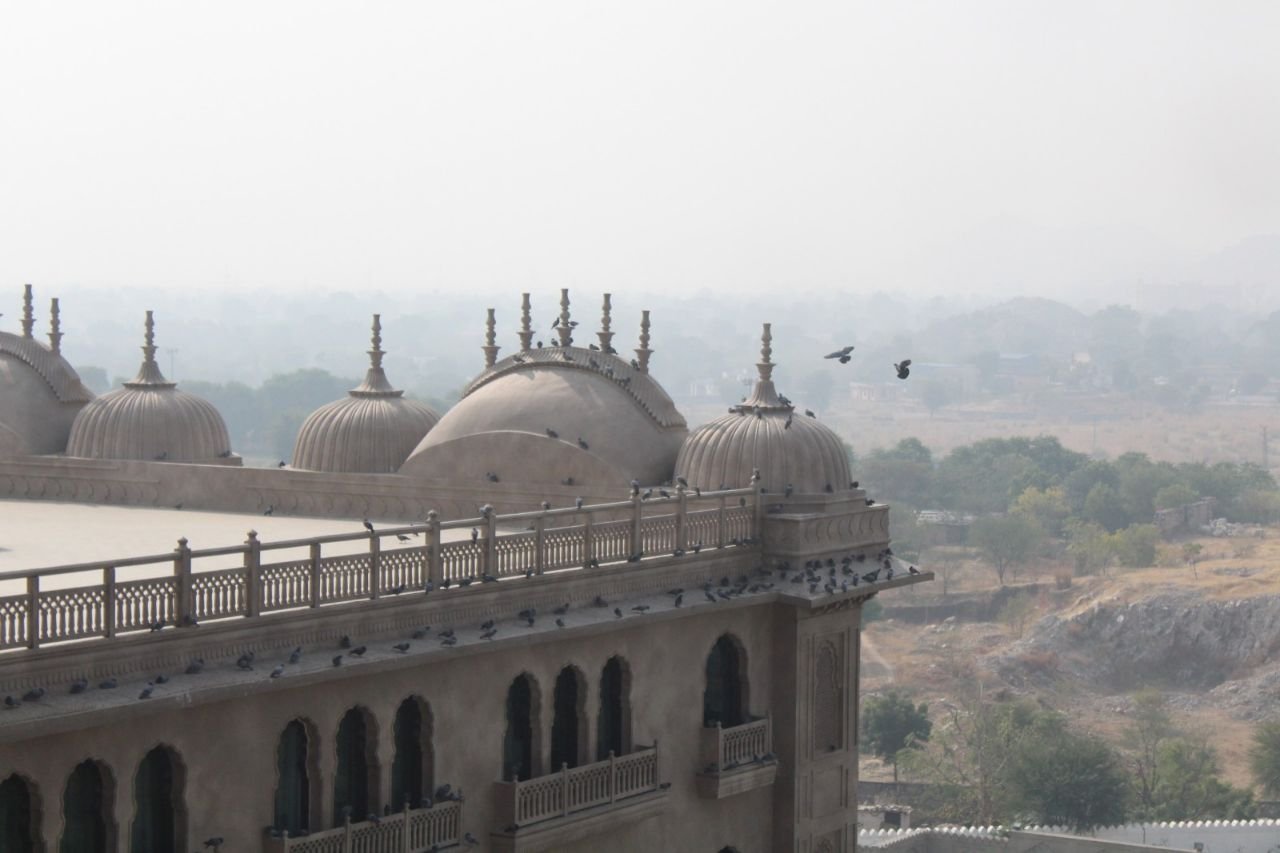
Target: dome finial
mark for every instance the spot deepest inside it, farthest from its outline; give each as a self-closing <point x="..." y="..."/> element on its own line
<point x="28" y="315"/>
<point x="564" y="329"/>
<point x="606" y="336"/>
<point x="375" y="382"/>
<point x="643" y="352"/>
<point x="490" y="340"/>
<point x="55" y="327"/>
<point x="526" y="324"/>
<point x="149" y="373"/>
<point x="765" y="365"/>
<point x="375" y="354"/>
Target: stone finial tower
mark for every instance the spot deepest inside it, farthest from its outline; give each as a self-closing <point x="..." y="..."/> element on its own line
<point x="55" y="327"/>
<point x="28" y="312"/>
<point x="643" y="352"/>
<point x="526" y="324"/>
<point x="564" y="329"/>
<point x="149" y="373"/>
<point x="490" y="340"/>
<point x="605" y="335"/>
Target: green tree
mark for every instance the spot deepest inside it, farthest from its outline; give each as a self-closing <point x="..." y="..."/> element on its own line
<point x="1006" y="542"/>
<point x="1103" y="505"/>
<point x="1135" y="545"/>
<point x="1264" y="757"/>
<point x="891" y="724"/>
<point x="1174" y="495"/>
<point x="1065" y="778"/>
<point x="1151" y="727"/>
<point x="1090" y="546"/>
<point x="1046" y="507"/>
<point x="1189" y="787"/>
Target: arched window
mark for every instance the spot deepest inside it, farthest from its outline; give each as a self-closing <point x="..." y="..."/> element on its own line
<point x="520" y="747"/>
<point x="828" y="701"/>
<point x="19" y="815"/>
<point x="411" y="769"/>
<point x="613" y="727"/>
<point x="725" y="698"/>
<point x="159" y="818"/>
<point x="355" y="784"/>
<point x="296" y="777"/>
<point x="87" y="806"/>
<point x="569" y="728"/>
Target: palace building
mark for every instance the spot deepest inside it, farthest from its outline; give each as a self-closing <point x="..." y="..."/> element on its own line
<point x="569" y="622"/>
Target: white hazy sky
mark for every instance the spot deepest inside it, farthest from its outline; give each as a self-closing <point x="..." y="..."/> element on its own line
<point x="653" y="145"/>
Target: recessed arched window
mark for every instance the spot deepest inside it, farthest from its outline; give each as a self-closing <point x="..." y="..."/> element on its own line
<point x="828" y="700"/>
<point x="520" y="746"/>
<point x="355" y="782"/>
<point x="411" y="770"/>
<point x="613" y="727"/>
<point x="19" y="815"/>
<point x="87" y="808"/>
<point x="569" y="728"/>
<point x="159" y="818"/>
<point x="725" y="698"/>
<point x="296" y="776"/>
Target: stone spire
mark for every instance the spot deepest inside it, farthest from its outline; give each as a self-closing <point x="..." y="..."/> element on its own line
<point x="604" y="334"/>
<point x="565" y="330"/>
<point x="643" y="352"/>
<point x="55" y="327"/>
<point x="375" y="382"/>
<point x="28" y="315"/>
<point x="149" y="375"/>
<point x="764" y="397"/>
<point x="526" y="324"/>
<point x="490" y="340"/>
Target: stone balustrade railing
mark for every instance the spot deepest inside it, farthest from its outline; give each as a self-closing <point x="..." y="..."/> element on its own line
<point x="737" y="746"/>
<point x="409" y="831"/>
<point x="573" y="790"/>
<point x="197" y="585"/>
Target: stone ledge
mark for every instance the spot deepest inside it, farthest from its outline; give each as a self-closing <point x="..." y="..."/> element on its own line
<point x="717" y="786"/>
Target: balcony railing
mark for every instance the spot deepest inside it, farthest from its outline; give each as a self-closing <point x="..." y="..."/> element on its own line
<point x="574" y="790"/>
<point x="409" y="831"/>
<point x="737" y="746"/>
<point x="196" y="585"/>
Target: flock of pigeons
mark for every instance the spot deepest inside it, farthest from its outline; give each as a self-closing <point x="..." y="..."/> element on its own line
<point x="902" y="368"/>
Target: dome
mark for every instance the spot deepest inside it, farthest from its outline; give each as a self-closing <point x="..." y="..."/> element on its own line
<point x="764" y="433"/>
<point x="372" y="430"/>
<point x="560" y="415"/>
<point x="40" y="393"/>
<point x="150" y="419"/>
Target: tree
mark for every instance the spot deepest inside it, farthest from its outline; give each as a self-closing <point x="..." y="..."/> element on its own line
<point x="1103" y="505"/>
<point x="1047" y="507"/>
<point x="891" y="724"/>
<point x="1006" y="542"/>
<point x="1135" y="545"/>
<point x="1174" y="495"/>
<point x="1264" y="757"/>
<point x="935" y="395"/>
<point x="1150" y="729"/>
<point x="1065" y="778"/>
<point x="1189" y="787"/>
<point x="1191" y="555"/>
<point x="1090" y="545"/>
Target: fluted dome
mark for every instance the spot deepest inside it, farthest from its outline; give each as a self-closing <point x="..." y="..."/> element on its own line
<point x="150" y="419"/>
<point x="40" y="393"/>
<point x="765" y="433"/>
<point x="372" y="430"/>
<point x="560" y="415"/>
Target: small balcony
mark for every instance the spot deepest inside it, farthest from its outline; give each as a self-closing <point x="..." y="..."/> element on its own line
<point x="551" y="811"/>
<point x="737" y="759"/>
<point x="409" y="831"/>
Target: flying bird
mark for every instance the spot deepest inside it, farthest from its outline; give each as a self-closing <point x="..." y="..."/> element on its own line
<point x="842" y="354"/>
<point x="903" y="368"/>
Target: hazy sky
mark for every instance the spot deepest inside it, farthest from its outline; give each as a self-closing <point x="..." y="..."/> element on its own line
<point x="647" y="145"/>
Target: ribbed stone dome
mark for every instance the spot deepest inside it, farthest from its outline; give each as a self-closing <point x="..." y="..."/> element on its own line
<point x="372" y="430"/>
<point x="150" y="419"/>
<point x="765" y="433"/>
<point x="40" y="393"/>
<point x="559" y="415"/>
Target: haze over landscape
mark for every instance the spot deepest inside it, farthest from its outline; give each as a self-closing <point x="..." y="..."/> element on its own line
<point x="1066" y="214"/>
